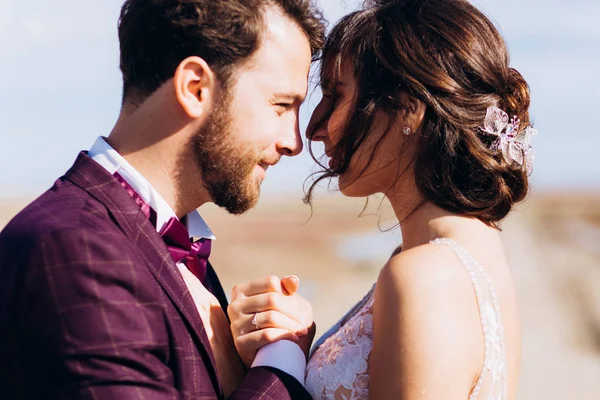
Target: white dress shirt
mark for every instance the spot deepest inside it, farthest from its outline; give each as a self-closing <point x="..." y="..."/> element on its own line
<point x="283" y="355"/>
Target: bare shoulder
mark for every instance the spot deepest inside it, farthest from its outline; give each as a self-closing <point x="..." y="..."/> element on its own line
<point x="425" y="268"/>
<point x="426" y="324"/>
<point x="430" y="286"/>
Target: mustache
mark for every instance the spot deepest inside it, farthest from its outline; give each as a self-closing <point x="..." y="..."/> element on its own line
<point x="271" y="161"/>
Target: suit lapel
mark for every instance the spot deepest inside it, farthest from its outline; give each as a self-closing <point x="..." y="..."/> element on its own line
<point x="214" y="286"/>
<point x="94" y="179"/>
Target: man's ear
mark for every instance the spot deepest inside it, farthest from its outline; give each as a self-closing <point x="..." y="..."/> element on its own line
<point x="195" y="84"/>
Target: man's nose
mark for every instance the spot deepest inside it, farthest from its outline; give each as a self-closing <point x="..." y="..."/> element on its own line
<point x="290" y="143"/>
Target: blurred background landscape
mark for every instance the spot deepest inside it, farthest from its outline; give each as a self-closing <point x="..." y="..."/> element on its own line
<point x="60" y="88"/>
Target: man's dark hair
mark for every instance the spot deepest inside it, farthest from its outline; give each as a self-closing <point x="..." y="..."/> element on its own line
<point x="156" y="35"/>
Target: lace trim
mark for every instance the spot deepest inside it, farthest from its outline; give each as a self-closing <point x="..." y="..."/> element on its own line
<point x="338" y="368"/>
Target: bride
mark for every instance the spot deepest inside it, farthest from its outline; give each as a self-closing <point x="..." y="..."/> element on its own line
<point x="420" y="104"/>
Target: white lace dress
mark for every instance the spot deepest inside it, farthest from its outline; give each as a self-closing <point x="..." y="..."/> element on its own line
<point x="337" y="368"/>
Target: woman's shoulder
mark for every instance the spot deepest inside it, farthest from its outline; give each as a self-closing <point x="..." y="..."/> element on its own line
<point x="425" y="308"/>
<point x="428" y="265"/>
<point x="428" y="282"/>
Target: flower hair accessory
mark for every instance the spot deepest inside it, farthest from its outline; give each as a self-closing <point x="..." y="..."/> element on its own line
<point x="513" y="144"/>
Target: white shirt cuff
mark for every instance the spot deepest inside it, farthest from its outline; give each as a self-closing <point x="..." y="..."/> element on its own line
<point x="285" y="356"/>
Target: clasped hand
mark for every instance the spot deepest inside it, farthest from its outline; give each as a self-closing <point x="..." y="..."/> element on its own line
<point x="267" y="310"/>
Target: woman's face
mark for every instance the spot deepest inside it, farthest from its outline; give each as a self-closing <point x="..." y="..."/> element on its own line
<point x="380" y="160"/>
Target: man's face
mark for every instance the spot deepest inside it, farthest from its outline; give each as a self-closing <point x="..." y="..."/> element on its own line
<point x="256" y="121"/>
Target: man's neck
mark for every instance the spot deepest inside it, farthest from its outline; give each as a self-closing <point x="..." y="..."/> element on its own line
<point x="159" y="158"/>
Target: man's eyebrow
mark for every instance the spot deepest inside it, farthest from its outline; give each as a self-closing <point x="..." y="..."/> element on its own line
<point x="289" y="96"/>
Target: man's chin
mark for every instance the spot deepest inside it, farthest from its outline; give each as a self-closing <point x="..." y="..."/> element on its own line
<point x="241" y="209"/>
<point x="240" y="204"/>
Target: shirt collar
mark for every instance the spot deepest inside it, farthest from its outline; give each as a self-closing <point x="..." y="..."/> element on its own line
<point x="112" y="161"/>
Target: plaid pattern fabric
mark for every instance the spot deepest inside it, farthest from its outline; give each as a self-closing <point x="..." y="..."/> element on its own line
<point x="93" y="307"/>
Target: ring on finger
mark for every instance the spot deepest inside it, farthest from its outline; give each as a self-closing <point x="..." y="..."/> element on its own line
<point x="254" y="322"/>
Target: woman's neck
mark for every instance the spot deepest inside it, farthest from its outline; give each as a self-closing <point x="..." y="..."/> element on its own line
<point x="421" y="224"/>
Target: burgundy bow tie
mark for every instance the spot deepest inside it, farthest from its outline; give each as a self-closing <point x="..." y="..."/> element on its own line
<point x="176" y="237"/>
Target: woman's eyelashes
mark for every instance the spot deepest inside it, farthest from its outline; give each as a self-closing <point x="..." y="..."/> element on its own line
<point x="331" y="99"/>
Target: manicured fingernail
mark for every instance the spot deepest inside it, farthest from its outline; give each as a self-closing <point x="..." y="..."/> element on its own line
<point x="292" y="277"/>
<point x="302" y="331"/>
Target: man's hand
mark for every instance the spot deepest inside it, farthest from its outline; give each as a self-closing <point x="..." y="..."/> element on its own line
<point x="267" y="310"/>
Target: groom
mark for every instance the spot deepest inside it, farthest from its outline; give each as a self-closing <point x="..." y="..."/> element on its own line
<point x="103" y="295"/>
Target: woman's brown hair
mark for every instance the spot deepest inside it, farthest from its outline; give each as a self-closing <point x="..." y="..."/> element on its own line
<point x="449" y="56"/>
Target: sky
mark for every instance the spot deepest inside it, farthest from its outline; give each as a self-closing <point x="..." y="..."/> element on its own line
<point x="60" y="88"/>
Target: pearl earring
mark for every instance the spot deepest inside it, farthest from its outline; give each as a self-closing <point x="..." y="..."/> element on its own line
<point x="407" y="131"/>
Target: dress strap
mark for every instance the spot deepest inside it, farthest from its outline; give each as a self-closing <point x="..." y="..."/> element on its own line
<point x="491" y="323"/>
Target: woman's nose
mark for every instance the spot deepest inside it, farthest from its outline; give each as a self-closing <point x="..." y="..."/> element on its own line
<point x="317" y="126"/>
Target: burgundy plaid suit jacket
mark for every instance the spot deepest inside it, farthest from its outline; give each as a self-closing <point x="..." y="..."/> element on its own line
<point x="93" y="307"/>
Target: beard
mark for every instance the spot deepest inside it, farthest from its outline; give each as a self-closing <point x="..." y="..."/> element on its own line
<point x="226" y="166"/>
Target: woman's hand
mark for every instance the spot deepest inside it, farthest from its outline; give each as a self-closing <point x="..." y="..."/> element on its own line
<point x="267" y="310"/>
